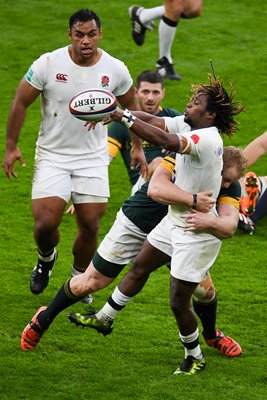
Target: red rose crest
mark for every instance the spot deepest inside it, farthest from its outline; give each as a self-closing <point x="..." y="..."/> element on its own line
<point x="195" y="138"/>
<point x="104" y="81"/>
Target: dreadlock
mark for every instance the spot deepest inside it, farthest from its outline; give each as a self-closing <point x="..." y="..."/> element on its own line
<point x="221" y="104"/>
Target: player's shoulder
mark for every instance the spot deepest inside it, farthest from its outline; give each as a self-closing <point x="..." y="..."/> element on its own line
<point x="111" y="60"/>
<point x="234" y="190"/>
<point x="53" y="55"/>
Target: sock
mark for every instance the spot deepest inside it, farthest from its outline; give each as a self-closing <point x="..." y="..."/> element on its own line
<point x="116" y="303"/>
<point x="88" y="298"/>
<point x="167" y="29"/>
<point x="75" y="271"/>
<point x="46" y="257"/>
<point x="191" y="345"/>
<point x="261" y="208"/>
<point x="207" y="315"/>
<point x="149" y="14"/>
<point x="63" y="299"/>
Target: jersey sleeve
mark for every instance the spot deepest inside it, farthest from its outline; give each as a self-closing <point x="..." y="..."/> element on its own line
<point x="117" y="137"/>
<point x="35" y="75"/>
<point x="168" y="162"/>
<point x="113" y="147"/>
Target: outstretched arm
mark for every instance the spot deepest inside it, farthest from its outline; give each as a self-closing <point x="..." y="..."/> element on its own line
<point x="151" y="133"/>
<point x="256" y="149"/>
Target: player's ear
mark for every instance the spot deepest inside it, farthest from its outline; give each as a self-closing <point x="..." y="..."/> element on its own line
<point x="211" y="115"/>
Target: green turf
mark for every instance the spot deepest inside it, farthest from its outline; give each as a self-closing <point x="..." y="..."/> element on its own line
<point x="137" y="360"/>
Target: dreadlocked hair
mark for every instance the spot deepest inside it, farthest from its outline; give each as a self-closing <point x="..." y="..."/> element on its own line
<point x="221" y="103"/>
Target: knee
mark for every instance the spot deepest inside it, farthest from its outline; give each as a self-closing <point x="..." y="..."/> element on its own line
<point x="205" y="291"/>
<point x="173" y="9"/>
<point x="46" y="223"/>
<point x="177" y="304"/>
<point x="192" y="9"/>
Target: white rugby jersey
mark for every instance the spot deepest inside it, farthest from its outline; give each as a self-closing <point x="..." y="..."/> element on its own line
<point x="200" y="170"/>
<point x="63" y="137"/>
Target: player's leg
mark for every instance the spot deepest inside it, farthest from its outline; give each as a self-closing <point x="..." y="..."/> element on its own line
<point x="156" y="251"/>
<point x="88" y="216"/>
<point x="142" y="19"/>
<point x="205" y="306"/>
<point x="50" y="194"/>
<point x="180" y="296"/>
<point x="73" y="290"/>
<point x="131" y="284"/>
<point x="90" y="196"/>
<point x="174" y="10"/>
<point x="123" y="235"/>
<point x="261" y="208"/>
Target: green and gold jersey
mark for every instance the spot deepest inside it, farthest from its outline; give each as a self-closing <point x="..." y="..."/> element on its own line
<point x="146" y="213"/>
<point x="119" y="140"/>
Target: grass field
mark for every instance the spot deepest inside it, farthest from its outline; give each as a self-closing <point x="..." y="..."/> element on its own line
<point x="137" y="360"/>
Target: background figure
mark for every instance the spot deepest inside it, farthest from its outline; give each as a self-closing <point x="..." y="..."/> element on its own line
<point x="169" y="15"/>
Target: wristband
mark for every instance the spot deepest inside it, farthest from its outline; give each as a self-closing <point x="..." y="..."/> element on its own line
<point x="127" y="118"/>
<point x="194" y="206"/>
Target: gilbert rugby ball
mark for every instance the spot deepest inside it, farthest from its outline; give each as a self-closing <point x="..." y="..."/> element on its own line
<point x="92" y="104"/>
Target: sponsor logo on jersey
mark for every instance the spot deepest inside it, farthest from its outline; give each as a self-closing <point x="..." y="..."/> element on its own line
<point x="63" y="78"/>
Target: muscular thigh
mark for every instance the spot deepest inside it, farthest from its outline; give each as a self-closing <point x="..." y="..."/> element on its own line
<point x="150" y="258"/>
<point x="89" y="214"/>
<point x="48" y="210"/>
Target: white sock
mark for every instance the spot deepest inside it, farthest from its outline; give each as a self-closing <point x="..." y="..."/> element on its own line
<point x="166" y="37"/>
<point x="196" y="351"/>
<point x="149" y="14"/>
<point x="108" y="313"/>
<point x="75" y="272"/>
<point x="47" y="258"/>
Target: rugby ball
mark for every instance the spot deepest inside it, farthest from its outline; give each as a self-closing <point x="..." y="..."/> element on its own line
<point x="93" y="104"/>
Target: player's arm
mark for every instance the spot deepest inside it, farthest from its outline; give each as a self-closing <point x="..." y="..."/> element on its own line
<point x="128" y="101"/>
<point x="256" y="149"/>
<point x="25" y="96"/>
<point x="153" y="134"/>
<point x="162" y="189"/>
<point x="223" y="226"/>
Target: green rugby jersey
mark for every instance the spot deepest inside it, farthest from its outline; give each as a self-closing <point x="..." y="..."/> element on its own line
<point x="146" y="213"/>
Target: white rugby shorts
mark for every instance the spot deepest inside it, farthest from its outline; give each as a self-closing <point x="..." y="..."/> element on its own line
<point x="192" y="254"/>
<point x="123" y="242"/>
<point x="88" y="185"/>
